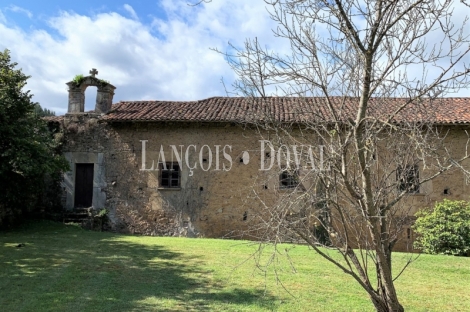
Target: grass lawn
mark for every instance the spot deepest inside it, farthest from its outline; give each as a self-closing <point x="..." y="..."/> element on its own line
<point x="64" y="268"/>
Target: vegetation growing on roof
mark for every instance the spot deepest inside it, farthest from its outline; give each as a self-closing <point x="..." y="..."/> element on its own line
<point x="78" y="79"/>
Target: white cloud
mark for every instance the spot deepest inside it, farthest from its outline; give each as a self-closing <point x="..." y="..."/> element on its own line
<point x="3" y="20"/>
<point x="166" y="59"/>
<point x="131" y="11"/>
<point x="18" y="9"/>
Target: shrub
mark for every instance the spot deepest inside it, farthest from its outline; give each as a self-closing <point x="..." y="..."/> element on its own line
<point x="444" y="229"/>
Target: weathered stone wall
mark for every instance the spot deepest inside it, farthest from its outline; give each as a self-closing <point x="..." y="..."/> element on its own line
<point x="212" y="202"/>
<point x="104" y="96"/>
<point x="452" y="185"/>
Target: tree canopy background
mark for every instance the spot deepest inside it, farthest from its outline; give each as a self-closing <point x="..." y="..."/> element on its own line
<point x="29" y="156"/>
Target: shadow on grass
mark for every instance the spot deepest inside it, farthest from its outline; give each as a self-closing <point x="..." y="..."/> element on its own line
<point x="66" y="268"/>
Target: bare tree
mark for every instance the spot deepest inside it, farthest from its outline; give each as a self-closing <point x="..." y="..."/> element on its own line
<point x="366" y="80"/>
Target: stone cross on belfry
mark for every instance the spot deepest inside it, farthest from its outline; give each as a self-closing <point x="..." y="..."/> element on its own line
<point x="93" y="72"/>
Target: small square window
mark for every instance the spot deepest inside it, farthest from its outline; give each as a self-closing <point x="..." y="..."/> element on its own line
<point x="288" y="179"/>
<point x="408" y="179"/>
<point x="171" y="177"/>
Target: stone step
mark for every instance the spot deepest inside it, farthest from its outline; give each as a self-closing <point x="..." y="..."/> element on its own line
<point x="82" y="209"/>
<point x="76" y="215"/>
<point x="70" y="220"/>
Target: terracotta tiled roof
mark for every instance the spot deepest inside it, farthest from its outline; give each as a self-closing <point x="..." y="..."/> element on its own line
<point x="287" y="109"/>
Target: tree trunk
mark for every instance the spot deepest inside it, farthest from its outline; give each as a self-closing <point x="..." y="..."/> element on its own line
<point x="383" y="306"/>
<point x="387" y="304"/>
<point x="384" y="298"/>
<point x="387" y="296"/>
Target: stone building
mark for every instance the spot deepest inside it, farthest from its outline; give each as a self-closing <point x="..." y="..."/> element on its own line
<point x="195" y="168"/>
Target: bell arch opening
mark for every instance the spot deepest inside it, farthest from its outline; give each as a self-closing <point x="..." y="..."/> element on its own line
<point x="90" y="98"/>
<point x="83" y="99"/>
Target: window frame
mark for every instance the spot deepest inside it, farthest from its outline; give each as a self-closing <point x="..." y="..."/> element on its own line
<point x="292" y="179"/>
<point x="408" y="179"/>
<point x="169" y="175"/>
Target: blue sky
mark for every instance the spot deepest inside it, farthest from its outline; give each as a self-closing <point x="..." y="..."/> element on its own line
<point x="147" y="49"/>
<point x="150" y="50"/>
<point x="30" y="14"/>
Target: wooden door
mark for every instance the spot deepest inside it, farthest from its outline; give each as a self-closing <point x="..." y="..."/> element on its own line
<point x="83" y="185"/>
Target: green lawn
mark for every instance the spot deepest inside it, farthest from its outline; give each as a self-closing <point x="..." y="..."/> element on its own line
<point x="65" y="268"/>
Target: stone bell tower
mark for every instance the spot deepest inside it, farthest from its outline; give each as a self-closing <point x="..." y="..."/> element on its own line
<point x="77" y="87"/>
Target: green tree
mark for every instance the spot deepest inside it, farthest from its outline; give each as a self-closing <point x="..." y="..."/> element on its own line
<point x="27" y="148"/>
<point x="444" y="229"/>
<point x="43" y="112"/>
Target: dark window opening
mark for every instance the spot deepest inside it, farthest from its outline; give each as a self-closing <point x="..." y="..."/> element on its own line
<point x="408" y="233"/>
<point x="288" y="179"/>
<point x="408" y="179"/>
<point x="268" y="154"/>
<point x="201" y="189"/>
<point x="265" y="187"/>
<point x="446" y="191"/>
<point x="245" y="216"/>
<point x="241" y="159"/>
<point x="171" y="177"/>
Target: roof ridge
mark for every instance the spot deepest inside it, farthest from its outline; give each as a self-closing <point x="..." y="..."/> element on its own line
<point x="276" y="97"/>
<point x="287" y="109"/>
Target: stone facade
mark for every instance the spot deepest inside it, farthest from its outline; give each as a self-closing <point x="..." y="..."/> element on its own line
<point x="221" y="188"/>
<point x="211" y="201"/>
